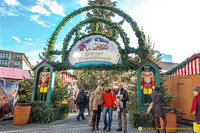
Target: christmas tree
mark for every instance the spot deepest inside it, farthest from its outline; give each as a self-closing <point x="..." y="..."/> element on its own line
<point x="102" y="28"/>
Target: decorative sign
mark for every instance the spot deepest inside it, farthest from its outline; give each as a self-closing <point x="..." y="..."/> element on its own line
<point x="8" y="97"/>
<point x="94" y="50"/>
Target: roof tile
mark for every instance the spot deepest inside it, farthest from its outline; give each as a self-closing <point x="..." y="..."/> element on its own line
<point x="14" y="73"/>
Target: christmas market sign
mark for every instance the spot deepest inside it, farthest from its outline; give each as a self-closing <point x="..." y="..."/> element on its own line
<point x="94" y="62"/>
<point x="94" y="50"/>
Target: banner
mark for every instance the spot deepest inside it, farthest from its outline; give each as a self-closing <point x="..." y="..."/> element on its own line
<point x="94" y="49"/>
<point x="8" y="97"/>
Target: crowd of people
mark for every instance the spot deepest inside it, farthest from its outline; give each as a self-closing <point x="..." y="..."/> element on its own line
<point x="102" y="100"/>
<point x="105" y="99"/>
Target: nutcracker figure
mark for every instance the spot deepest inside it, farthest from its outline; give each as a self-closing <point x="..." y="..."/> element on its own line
<point x="147" y="83"/>
<point x="43" y="83"/>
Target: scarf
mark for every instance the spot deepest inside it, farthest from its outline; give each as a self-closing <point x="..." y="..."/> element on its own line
<point x="194" y="103"/>
<point x="108" y="91"/>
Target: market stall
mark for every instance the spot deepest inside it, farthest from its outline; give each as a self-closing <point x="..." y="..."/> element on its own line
<point x="182" y="79"/>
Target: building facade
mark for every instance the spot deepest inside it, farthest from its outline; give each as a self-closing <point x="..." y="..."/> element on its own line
<point x="166" y="66"/>
<point x="14" y="60"/>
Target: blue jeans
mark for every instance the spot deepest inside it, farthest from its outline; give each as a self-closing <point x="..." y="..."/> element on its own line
<point x="81" y="113"/>
<point x="108" y="110"/>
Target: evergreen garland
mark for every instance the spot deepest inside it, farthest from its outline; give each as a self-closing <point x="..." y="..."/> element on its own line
<point x="115" y="26"/>
<point x="141" y="51"/>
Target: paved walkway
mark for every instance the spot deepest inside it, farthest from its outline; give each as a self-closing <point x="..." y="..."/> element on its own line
<point x="71" y="125"/>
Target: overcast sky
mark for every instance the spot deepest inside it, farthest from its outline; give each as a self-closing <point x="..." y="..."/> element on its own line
<point x="173" y="25"/>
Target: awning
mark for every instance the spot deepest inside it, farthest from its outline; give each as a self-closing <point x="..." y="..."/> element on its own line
<point x="67" y="78"/>
<point x="14" y="73"/>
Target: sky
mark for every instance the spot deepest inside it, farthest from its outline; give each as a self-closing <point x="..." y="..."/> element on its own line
<point x="173" y="25"/>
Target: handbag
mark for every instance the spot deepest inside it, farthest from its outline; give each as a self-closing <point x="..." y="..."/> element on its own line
<point x="196" y="126"/>
<point x="90" y="121"/>
<point x="149" y="108"/>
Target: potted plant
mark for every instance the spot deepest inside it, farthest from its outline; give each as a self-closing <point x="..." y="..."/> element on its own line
<point x="23" y="107"/>
<point x="171" y="116"/>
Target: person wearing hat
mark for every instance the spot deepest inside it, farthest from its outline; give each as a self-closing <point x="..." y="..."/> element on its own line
<point x="82" y="102"/>
<point x="196" y="103"/>
<point x="109" y="99"/>
<point x="158" y="100"/>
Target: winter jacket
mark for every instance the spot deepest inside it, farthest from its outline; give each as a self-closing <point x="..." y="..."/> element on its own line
<point x="125" y="96"/>
<point x="95" y="100"/>
<point x="83" y="95"/>
<point x="158" y="107"/>
<point x="109" y="98"/>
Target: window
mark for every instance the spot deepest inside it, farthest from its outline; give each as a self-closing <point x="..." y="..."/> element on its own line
<point x="16" y="63"/>
<point x="4" y="62"/>
<point x="18" y="57"/>
<point x="4" y="55"/>
<point x="7" y="55"/>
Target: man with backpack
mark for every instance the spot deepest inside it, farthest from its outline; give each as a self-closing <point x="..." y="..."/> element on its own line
<point x="82" y="103"/>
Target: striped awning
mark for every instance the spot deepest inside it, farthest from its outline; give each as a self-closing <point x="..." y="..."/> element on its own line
<point x="67" y="78"/>
<point x="191" y="68"/>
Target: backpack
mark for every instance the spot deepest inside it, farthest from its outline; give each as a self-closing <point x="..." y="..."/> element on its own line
<point x="80" y="99"/>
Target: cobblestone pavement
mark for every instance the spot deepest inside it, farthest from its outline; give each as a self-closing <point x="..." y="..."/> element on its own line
<point x="71" y="125"/>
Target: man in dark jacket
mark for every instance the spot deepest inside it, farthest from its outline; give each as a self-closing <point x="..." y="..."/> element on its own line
<point x="82" y="102"/>
<point x="122" y="97"/>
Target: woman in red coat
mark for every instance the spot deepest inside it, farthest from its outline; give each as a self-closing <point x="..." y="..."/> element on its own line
<point x="196" y="103"/>
<point x="109" y="99"/>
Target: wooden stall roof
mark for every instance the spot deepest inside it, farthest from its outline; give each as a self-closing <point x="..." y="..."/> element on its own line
<point x="14" y="73"/>
<point x="67" y="77"/>
<point x="191" y="66"/>
<point x="145" y="61"/>
<point x="42" y="62"/>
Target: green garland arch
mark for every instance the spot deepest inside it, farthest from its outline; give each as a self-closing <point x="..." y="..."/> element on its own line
<point x="138" y="33"/>
<point x="115" y="26"/>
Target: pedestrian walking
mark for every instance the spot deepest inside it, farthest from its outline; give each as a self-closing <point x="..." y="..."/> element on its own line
<point x="158" y="110"/>
<point x="75" y="103"/>
<point x="109" y="99"/>
<point x="82" y="102"/>
<point x="196" y="103"/>
<point x="95" y="106"/>
<point x="122" y="98"/>
<point x="88" y="101"/>
<point x="72" y="102"/>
